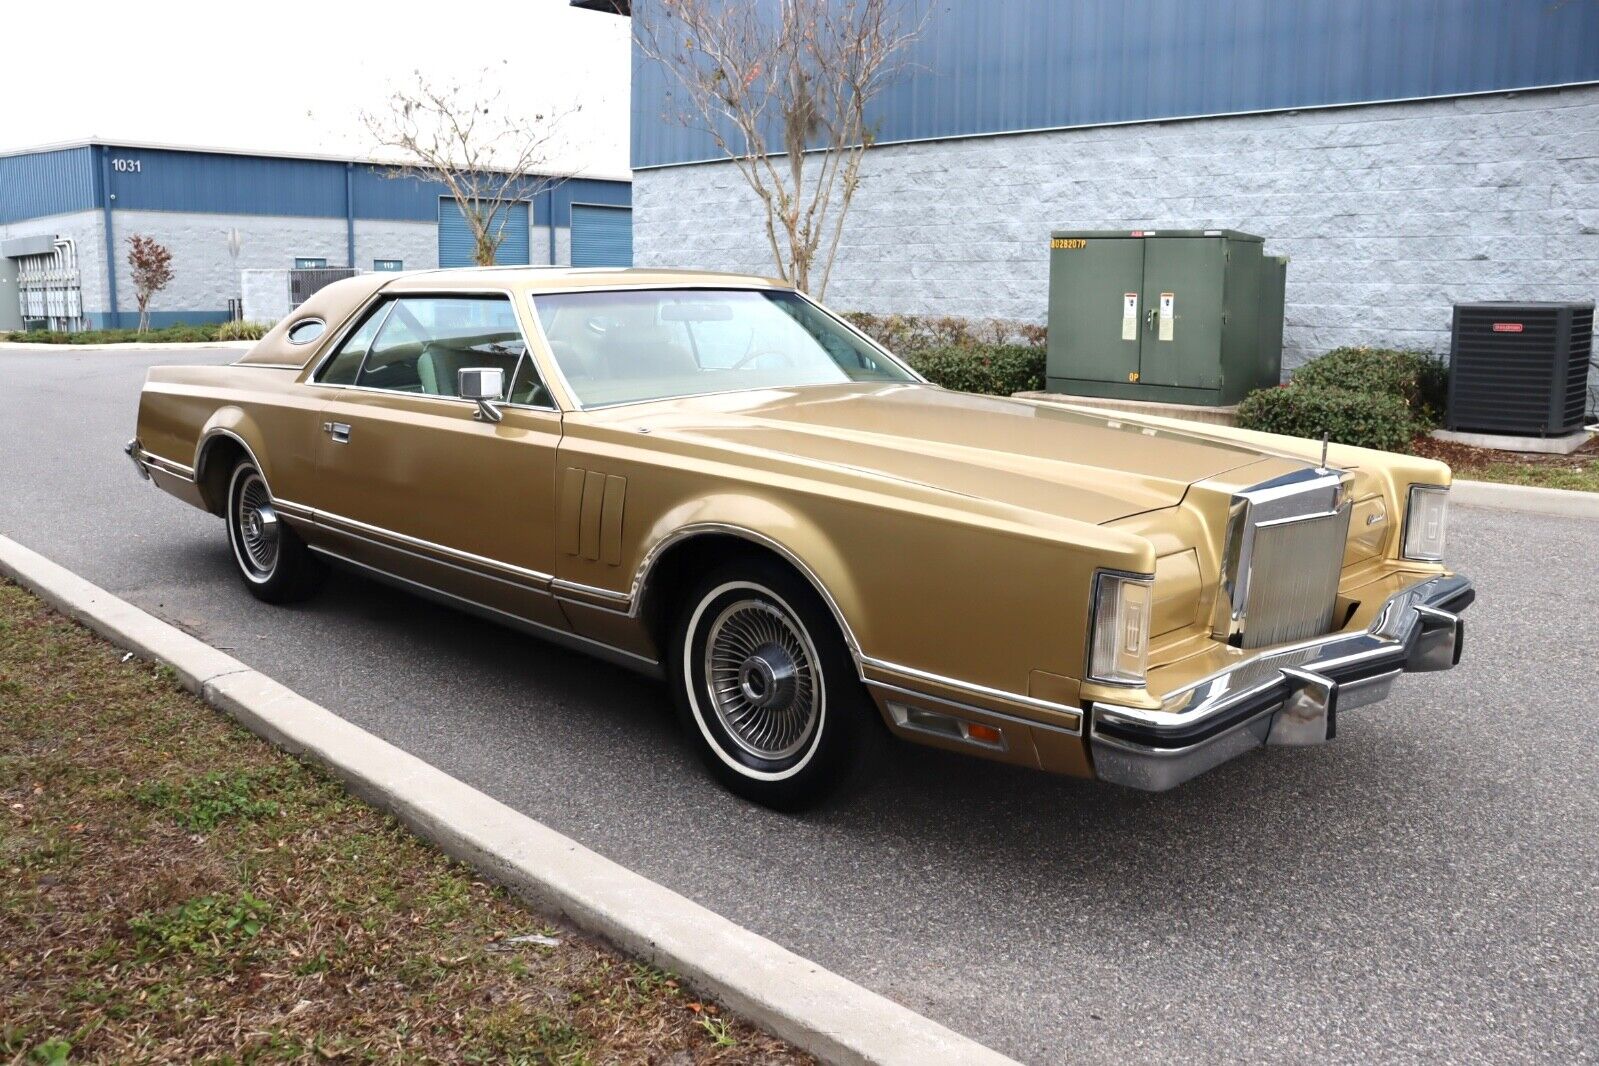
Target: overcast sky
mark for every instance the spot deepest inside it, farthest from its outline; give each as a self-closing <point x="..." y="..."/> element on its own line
<point x="247" y="75"/>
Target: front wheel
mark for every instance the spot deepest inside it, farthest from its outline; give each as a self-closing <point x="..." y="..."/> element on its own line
<point x="766" y="688"/>
<point x="276" y="565"/>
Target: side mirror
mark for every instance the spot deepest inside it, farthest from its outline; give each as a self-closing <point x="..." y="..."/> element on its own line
<point x="483" y="385"/>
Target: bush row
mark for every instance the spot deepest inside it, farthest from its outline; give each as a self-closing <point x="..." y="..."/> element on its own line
<point x="999" y="369"/>
<point x="904" y="334"/>
<point x="992" y="355"/>
<point x="1369" y="397"/>
<point x="178" y="334"/>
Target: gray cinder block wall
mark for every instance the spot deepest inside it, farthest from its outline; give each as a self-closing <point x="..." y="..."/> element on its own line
<point x="1390" y="213"/>
<point x="86" y="229"/>
<point x="204" y="277"/>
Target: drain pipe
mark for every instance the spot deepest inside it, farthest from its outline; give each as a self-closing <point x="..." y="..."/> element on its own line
<point x="106" y="196"/>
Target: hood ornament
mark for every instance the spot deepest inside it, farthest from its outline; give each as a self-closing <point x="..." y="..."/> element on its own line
<point x="1323" y="464"/>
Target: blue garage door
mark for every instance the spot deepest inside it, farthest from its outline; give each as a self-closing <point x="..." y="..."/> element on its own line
<point x="602" y="236"/>
<point x="455" y="236"/>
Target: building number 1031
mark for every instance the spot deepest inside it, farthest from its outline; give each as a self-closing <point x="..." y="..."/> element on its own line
<point x="127" y="166"/>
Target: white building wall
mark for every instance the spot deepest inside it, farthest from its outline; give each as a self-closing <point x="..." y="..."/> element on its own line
<point x="204" y="272"/>
<point x="87" y="230"/>
<point x="1390" y="213"/>
<point x="416" y="244"/>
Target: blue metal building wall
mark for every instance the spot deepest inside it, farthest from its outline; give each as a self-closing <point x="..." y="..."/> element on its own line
<point x="43" y="183"/>
<point x="227" y="184"/>
<point x="993" y="66"/>
<point x="457" y="247"/>
<point x="602" y="236"/>
<point x="47" y="183"/>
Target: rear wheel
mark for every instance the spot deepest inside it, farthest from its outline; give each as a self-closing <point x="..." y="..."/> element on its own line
<point x="767" y="689"/>
<point x="276" y="565"/>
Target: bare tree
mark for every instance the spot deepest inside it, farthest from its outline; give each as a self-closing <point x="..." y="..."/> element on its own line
<point x="151" y="265"/>
<point x="486" y="153"/>
<point x="793" y="79"/>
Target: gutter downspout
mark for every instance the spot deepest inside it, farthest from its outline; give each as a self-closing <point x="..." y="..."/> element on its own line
<point x="550" y="194"/>
<point x="106" y="196"/>
<point x="349" y="214"/>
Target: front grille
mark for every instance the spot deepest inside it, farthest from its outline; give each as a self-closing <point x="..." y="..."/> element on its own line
<point x="1293" y="580"/>
<point x="1284" y="554"/>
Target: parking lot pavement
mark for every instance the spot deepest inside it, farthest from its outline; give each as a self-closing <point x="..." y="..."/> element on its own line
<point x="1423" y="888"/>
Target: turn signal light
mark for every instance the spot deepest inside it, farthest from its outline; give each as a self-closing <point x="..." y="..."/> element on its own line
<point x="983" y="734"/>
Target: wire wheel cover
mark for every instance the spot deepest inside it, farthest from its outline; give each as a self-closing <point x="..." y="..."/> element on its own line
<point x="760" y="667"/>
<point x="256" y="524"/>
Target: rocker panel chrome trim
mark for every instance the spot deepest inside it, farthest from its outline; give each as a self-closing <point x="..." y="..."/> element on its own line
<point x="631" y="660"/>
<point x="352" y="527"/>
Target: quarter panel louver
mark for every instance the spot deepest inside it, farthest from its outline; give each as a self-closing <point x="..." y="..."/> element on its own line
<point x="1520" y="369"/>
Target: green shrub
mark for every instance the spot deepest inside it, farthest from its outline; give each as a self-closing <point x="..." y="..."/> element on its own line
<point x="178" y="334"/>
<point x="998" y="369"/>
<point x="907" y="334"/>
<point x="1419" y="379"/>
<point x="242" y="331"/>
<point x="1367" y="419"/>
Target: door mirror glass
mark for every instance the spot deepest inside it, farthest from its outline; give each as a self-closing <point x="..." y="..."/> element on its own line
<point x="480" y="383"/>
<point x="485" y="385"/>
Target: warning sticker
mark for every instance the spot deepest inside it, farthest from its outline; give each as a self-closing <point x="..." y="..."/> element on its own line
<point x="1167" y="300"/>
<point x="1129" y="316"/>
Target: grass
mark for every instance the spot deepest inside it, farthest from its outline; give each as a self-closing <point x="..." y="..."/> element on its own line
<point x="1584" y="478"/>
<point x="174" y="889"/>
<point x="1578" y="471"/>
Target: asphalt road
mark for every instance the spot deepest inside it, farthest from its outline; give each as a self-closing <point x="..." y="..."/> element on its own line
<point x="1424" y="888"/>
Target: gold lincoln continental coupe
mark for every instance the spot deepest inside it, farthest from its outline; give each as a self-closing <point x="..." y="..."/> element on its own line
<point x="714" y="480"/>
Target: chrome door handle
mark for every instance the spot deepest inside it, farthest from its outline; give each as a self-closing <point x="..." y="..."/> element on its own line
<point x="339" y="431"/>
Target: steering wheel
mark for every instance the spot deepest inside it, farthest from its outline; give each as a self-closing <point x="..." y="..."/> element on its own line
<point x="787" y="357"/>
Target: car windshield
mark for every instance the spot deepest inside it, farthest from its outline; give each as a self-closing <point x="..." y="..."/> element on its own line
<point x="648" y="344"/>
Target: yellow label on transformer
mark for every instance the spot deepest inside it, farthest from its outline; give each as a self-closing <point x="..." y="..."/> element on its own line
<point x="1071" y="244"/>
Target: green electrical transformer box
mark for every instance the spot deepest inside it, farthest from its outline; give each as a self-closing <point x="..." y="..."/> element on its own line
<point x="1172" y="316"/>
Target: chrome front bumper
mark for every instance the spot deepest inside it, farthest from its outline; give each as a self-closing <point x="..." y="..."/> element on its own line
<point x="1290" y="696"/>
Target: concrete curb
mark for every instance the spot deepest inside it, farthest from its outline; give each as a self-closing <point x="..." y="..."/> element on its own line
<point x="832" y="1018"/>
<point x="1566" y="503"/>
<point x="130" y="346"/>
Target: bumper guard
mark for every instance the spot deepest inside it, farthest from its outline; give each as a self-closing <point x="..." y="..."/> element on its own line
<point x="1288" y="696"/>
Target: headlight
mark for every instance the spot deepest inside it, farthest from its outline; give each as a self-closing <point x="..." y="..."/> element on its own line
<point x="1118" y="648"/>
<point x="1426" y="523"/>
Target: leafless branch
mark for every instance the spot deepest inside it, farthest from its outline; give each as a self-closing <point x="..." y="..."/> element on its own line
<point x="783" y="89"/>
<point x="487" y="154"/>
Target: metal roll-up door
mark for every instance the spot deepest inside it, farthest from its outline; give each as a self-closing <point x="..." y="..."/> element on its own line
<point x="456" y="246"/>
<point x="602" y="236"/>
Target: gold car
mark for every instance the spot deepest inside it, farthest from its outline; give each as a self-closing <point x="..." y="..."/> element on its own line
<point x="714" y="480"/>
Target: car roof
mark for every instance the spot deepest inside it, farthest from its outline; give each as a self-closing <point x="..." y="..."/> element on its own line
<point x="336" y="302"/>
<point x="549" y="279"/>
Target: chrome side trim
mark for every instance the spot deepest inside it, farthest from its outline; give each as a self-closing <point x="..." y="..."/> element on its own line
<point x="341" y="524"/>
<point x="981" y="691"/>
<point x="972" y="708"/>
<point x="632" y="660"/>
<point x="145" y="461"/>
<point x="622" y="601"/>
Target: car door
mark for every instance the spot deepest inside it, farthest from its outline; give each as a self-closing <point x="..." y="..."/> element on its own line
<point x="412" y="482"/>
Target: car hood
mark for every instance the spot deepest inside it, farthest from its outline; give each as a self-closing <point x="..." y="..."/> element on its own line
<point x="1037" y="456"/>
